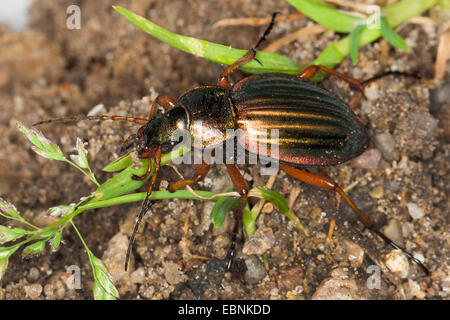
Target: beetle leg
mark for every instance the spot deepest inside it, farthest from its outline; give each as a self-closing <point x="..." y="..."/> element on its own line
<point x="311" y="71"/>
<point x="146" y="205"/>
<point x="200" y="173"/>
<point x="164" y="101"/>
<point x="128" y="143"/>
<point x="241" y="186"/>
<point x="223" y="81"/>
<point x="324" y="183"/>
<point x="357" y="97"/>
<point x="329" y="184"/>
<point x="145" y="175"/>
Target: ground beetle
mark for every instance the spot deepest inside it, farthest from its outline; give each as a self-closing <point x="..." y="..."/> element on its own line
<point x="315" y="129"/>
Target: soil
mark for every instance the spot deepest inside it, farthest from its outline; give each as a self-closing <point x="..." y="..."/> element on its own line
<point x="402" y="180"/>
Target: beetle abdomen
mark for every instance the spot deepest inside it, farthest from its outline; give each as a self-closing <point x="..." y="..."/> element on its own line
<point x="312" y="126"/>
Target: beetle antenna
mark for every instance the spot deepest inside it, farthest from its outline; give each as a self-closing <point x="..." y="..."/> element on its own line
<point x="141" y="121"/>
<point x="268" y="29"/>
<point x="145" y="207"/>
<point x="406" y="253"/>
<point x="147" y="203"/>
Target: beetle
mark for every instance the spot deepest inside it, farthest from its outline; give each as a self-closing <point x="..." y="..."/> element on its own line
<point x="315" y="128"/>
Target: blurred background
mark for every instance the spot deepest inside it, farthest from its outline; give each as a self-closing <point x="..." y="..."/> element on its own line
<point x="15" y="13"/>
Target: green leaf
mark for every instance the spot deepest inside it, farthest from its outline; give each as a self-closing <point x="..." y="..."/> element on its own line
<point x="123" y="183"/>
<point x="60" y="211"/>
<point x="5" y="253"/>
<point x="8" y="210"/>
<point x="11" y="234"/>
<point x="249" y="220"/>
<point x="3" y="267"/>
<point x="221" y="207"/>
<point x="35" y="248"/>
<point x="119" y="164"/>
<point x="104" y="288"/>
<point x="42" y="145"/>
<point x="56" y="240"/>
<point x="354" y="42"/>
<point x="80" y="159"/>
<point x="391" y="36"/>
<point x="326" y="15"/>
<point x="47" y="234"/>
<point x="280" y="202"/>
<point x="100" y="293"/>
<point x="277" y="199"/>
<point x="269" y="62"/>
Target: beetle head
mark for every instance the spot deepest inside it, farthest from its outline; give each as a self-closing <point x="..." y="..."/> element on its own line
<point x="161" y="132"/>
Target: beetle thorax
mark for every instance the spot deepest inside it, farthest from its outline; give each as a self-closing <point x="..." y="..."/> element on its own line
<point x="211" y="114"/>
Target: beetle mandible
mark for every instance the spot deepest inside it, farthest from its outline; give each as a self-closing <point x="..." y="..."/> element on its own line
<point x="315" y="128"/>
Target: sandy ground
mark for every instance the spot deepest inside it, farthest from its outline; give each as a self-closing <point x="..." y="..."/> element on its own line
<point x="402" y="180"/>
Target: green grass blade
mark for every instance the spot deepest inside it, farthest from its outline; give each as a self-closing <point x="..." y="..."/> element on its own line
<point x="280" y="202"/>
<point x="326" y="15"/>
<point x="123" y="183"/>
<point x="270" y="62"/>
<point x="391" y="36"/>
<point x="395" y="14"/>
<point x="119" y="164"/>
<point x="354" y="42"/>
<point x="249" y="220"/>
<point x="220" y="209"/>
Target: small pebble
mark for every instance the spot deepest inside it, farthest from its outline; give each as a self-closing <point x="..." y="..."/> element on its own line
<point x="164" y="184"/>
<point x="372" y="91"/>
<point x="33" y="291"/>
<point x="397" y="262"/>
<point x="291" y="279"/>
<point x="445" y="283"/>
<point x="337" y="288"/>
<point x="172" y="205"/>
<point x="268" y="208"/>
<point x="221" y="245"/>
<point x="261" y="241"/>
<point x="255" y="270"/>
<point x="138" y="276"/>
<point x="385" y="143"/>
<point x="393" y="231"/>
<point x="368" y="160"/>
<point x="415" y="289"/>
<point x="33" y="275"/>
<point x="55" y="288"/>
<point x="98" y="109"/>
<point x="173" y="274"/>
<point x="424" y="124"/>
<point x="414" y="211"/>
<point x="377" y="192"/>
<point x="355" y="254"/>
<point x="419" y="256"/>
